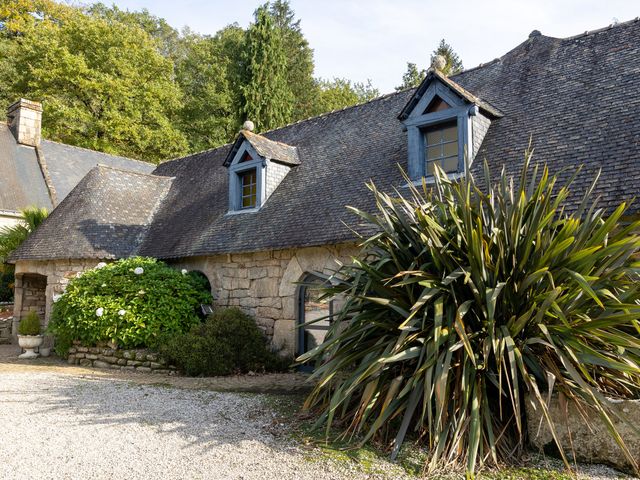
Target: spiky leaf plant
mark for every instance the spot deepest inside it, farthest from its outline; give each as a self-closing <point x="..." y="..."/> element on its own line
<point x="468" y="299"/>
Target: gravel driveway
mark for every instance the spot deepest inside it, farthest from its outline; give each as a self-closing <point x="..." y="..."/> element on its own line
<point x="58" y="426"/>
<point x="68" y="423"/>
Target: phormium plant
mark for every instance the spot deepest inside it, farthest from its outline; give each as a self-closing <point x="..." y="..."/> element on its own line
<point x="466" y="300"/>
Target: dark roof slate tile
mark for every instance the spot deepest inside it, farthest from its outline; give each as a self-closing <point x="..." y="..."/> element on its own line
<point x="106" y="216"/>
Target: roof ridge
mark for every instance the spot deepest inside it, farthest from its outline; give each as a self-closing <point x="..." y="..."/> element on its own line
<point x="302" y="120"/>
<point x="268" y="139"/>
<point x="228" y="144"/>
<point x="98" y="151"/>
<point x="600" y="30"/>
<point x="326" y="114"/>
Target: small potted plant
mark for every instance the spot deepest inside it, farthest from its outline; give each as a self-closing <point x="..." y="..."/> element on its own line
<point x="29" y="336"/>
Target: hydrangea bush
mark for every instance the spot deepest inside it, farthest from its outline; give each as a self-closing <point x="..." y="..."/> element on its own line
<point x="129" y="303"/>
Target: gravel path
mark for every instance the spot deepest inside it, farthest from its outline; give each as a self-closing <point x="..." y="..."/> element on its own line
<point x="59" y="424"/>
<point x="56" y="426"/>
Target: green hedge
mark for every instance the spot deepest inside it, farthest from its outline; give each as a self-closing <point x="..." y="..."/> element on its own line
<point x="228" y="342"/>
<point x="131" y="303"/>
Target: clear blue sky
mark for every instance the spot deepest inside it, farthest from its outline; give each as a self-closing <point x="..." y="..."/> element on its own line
<point x="373" y="39"/>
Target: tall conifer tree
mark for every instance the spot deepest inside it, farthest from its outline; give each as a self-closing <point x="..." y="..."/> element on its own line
<point x="268" y="100"/>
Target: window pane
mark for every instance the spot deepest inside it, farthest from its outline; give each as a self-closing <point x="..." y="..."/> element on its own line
<point x="434" y="152"/>
<point x="450" y="134"/>
<point x="450" y="164"/>
<point x="434" y="137"/>
<point x="442" y="147"/>
<point x="450" y="149"/>
<point x="430" y="167"/>
<point x="249" y="189"/>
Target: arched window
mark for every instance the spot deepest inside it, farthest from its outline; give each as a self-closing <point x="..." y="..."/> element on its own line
<point x="314" y="315"/>
<point x="202" y="281"/>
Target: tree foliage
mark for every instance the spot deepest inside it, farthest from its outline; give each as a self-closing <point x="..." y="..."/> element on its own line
<point x="10" y="239"/>
<point x="470" y="301"/>
<point x="104" y="84"/>
<point x="267" y="97"/>
<point x="126" y="82"/>
<point x="453" y="63"/>
<point x="413" y="76"/>
<point x="340" y="93"/>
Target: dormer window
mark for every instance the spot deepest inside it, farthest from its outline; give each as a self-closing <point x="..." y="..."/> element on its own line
<point x="445" y="127"/>
<point x="256" y="166"/>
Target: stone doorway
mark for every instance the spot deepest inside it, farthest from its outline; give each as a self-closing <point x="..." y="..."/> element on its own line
<point x="30" y="296"/>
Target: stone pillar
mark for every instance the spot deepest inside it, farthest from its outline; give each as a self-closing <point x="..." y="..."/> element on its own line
<point x="25" y="121"/>
<point x="17" y="306"/>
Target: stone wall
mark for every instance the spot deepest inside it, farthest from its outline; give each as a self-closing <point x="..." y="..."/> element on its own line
<point x="140" y="360"/>
<point x="32" y="296"/>
<point x="263" y="284"/>
<point x="591" y="441"/>
<point x="55" y="274"/>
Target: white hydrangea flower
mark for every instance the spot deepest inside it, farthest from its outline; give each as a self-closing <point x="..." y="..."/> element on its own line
<point x="99" y="312"/>
<point x="184" y="271"/>
<point x="121" y="312"/>
<point x="101" y="265"/>
<point x="138" y="270"/>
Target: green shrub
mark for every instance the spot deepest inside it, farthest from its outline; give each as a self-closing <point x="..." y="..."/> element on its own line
<point x="228" y="342"/>
<point x="30" y="325"/>
<point x="466" y="300"/>
<point x="6" y="284"/>
<point x="114" y="304"/>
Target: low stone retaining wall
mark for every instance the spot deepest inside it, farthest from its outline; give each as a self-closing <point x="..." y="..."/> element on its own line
<point x="139" y="360"/>
<point x="591" y="441"/>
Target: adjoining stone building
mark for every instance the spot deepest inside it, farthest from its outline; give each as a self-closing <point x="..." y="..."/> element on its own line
<point x="261" y="214"/>
<point x="35" y="172"/>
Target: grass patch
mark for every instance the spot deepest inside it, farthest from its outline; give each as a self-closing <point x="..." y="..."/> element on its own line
<point x="374" y="461"/>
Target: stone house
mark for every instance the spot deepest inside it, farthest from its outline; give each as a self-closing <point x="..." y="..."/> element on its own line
<point x="35" y="172"/>
<point x="261" y="214"/>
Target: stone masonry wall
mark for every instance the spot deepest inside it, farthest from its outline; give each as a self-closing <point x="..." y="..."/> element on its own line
<point x="56" y="275"/>
<point x="263" y="284"/>
<point x="33" y="287"/>
<point x="585" y="432"/>
<point x="140" y="360"/>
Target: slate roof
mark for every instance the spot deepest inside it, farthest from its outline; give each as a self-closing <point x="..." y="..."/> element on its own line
<point x="486" y="107"/>
<point x="276" y="151"/>
<point x="21" y="181"/>
<point x="107" y="215"/>
<point x="67" y="164"/>
<point x="576" y="98"/>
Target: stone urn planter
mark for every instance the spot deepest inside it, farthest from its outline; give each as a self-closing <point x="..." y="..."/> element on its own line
<point x="29" y="336"/>
<point x="29" y="343"/>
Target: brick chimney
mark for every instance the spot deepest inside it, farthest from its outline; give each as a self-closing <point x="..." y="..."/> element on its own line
<point x="25" y="121"/>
